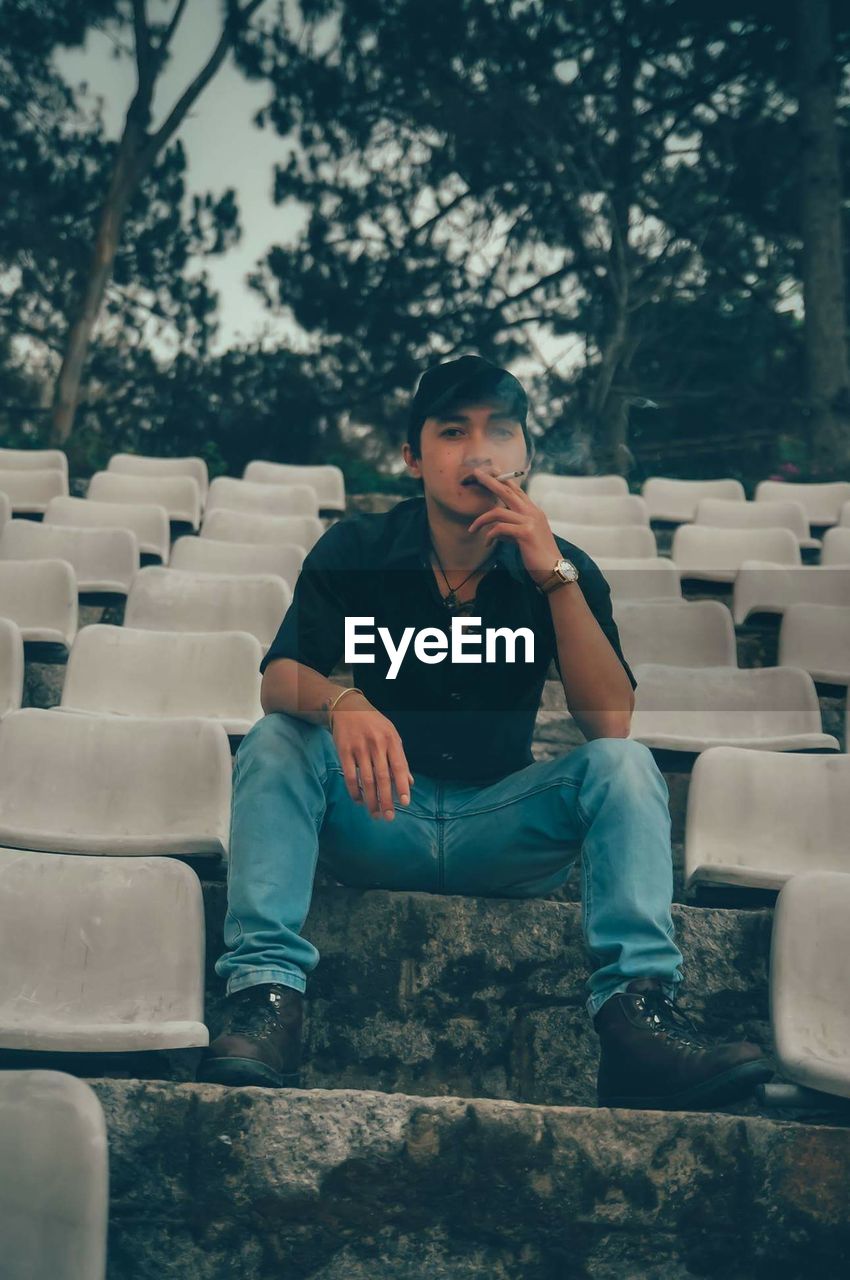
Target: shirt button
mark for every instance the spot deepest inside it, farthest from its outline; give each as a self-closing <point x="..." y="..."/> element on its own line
<point x="454" y="697"/>
<point x="447" y="755"/>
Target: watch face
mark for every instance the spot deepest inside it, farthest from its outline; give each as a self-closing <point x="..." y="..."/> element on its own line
<point x="566" y="569"/>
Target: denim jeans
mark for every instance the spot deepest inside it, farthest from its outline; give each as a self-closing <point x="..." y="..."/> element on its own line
<point x="519" y="837"/>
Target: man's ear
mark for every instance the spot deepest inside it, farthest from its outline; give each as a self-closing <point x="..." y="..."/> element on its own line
<point x="413" y="464"/>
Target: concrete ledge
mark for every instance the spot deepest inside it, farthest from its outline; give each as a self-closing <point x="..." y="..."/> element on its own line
<point x="212" y="1183"/>
<point x="484" y="997"/>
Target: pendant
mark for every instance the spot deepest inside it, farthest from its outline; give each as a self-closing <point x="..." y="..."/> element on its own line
<point x="450" y="600"/>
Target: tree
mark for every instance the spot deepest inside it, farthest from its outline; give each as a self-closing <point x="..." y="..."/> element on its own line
<point x="134" y="156"/>
<point x="824" y="291"/>
<point x="511" y="175"/>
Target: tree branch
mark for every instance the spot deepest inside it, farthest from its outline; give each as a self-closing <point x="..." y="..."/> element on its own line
<point x="162" y="47"/>
<point x="178" y="112"/>
<point x="142" y="33"/>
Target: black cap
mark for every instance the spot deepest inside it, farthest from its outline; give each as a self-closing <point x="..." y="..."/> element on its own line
<point x="445" y="384"/>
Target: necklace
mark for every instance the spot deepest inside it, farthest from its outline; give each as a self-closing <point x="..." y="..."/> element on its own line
<point x="451" y="601"/>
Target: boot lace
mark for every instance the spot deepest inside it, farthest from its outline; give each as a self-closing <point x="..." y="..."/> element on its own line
<point x="663" y="1018"/>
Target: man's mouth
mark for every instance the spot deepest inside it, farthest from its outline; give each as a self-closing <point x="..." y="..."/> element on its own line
<point x="469" y="481"/>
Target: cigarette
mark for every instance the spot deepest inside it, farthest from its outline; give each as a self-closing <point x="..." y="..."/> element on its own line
<point x="509" y="475"/>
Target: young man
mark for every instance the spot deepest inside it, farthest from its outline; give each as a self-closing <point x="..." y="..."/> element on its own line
<point x="422" y="778"/>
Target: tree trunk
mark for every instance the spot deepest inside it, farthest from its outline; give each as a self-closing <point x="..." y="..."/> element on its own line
<point x="122" y="184"/>
<point x="617" y="340"/>
<point x="827" y="378"/>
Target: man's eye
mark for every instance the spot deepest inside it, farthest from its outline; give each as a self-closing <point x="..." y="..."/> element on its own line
<point x="448" y="430"/>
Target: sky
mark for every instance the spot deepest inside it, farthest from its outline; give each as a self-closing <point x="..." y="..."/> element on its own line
<point x="224" y="149"/>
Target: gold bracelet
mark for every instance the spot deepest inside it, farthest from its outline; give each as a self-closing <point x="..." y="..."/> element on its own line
<point x="337" y="699"/>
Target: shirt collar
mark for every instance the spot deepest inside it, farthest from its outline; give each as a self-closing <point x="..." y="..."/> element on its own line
<point x="412" y="542"/>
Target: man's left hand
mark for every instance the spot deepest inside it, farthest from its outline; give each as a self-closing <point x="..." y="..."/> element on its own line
<point x="520" y="520"/>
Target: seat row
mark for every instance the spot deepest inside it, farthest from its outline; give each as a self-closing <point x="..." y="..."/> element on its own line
<point x="705" y="551"/>
<point x="678" y="501"/>
<point x="31" y="478"/>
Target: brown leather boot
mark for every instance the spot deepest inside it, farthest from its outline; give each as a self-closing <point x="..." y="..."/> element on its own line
<point x="653" y="1057"/>
<point x="262" y="1042"/>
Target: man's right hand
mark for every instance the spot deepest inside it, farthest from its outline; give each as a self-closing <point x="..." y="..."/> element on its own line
<point x="369" y="745"/>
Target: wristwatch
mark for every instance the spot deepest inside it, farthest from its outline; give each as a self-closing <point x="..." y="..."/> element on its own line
<point x="563" y="572"/>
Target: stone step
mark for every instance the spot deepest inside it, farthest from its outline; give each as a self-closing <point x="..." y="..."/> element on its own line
<point x="209" y="1183"/>
<point x="484" y="997"/>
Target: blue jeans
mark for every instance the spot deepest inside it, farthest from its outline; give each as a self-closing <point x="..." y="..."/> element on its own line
<point x="516" y="838"/>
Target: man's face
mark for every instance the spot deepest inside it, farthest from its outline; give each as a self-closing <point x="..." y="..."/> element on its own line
<point x="451" y="446"/>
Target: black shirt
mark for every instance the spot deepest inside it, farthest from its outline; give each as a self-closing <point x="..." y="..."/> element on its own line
<point x="470" y="721"/>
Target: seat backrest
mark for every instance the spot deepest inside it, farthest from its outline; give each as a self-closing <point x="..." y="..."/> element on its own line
<point x="149" y="521"/>
<point x="681" y="633"/>
<point x="767" y="809"/>
<point x="136" y="464"/>
<point x="176" y="600"/>
<point x="126" y="671"/>
<point x="822" y="502"/>
<point x="100" y="940"/>
<point x="816" y="637"/>
<point x="624" y="541"/>
<point x="96" y="555"/>
<point x="11" y="666"/>
<point x="54" y="1178"/>
<point x="654" y="578"/>
<point x="544" y="482"/>
<point x="622" y="509"/>
<point x="676" y="500"/>
<point x="30" y="491"/>
<point x="697" y="546"/>
<point x="328" y="481"/>
<point x="722" y="513"/>
<point x="262" y="499"/>
<point x="726" y="701"/>
<point x="836" y="547"/>
<point x="5" y="509"/>
<point x="242" y="526"/>
<point x="209" y="555"/>
<point x="34" y="460"/>
<point x="40" y="594"/>
<point x="180" y="495"/>
<point x="113" y="784"/>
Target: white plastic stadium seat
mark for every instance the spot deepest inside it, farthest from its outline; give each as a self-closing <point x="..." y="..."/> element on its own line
<point x="836" y="546"/>
<point x="227" y="494"/>
<point x="100" y="955"/>
<point x="11" y="666"/>
<point x="655" y="578"/>
<point x="771" y="588"/>
<point x="34" y="460"/>
<point x="148" y="521"/>
<point x="180" y="495"/>
<point x="816" y="637"/>
<point x="5" y="510"/>
<point x="54" y="1177"/>
<point x="809" y="981"/>
<point x="102" y="559"/>
<point x="822" y="502"/>
<point x="328" y="482"/>
<point x="622" y="509"/>
<point x="715" y="555"/>
<point x="844" y="515"/>
<point x="30" y="491"/>
<point x="693" y="708"/>
<point x="723" y="514"/>
<point x="676" y="500"/>
<point x="41" y="597"/>
<point x="615" y="542"/>
<point x="113" y="784"/>
<point x="241" y="526"/>
<point x="677" y="633"/>
<point x="544" y="483"/>
<point x="123" y="671"/>
<point x="757" y="817"/>
<point x="138" y="464"/>
<point x="174" y="600"/>
<point x="207" y="555"/>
